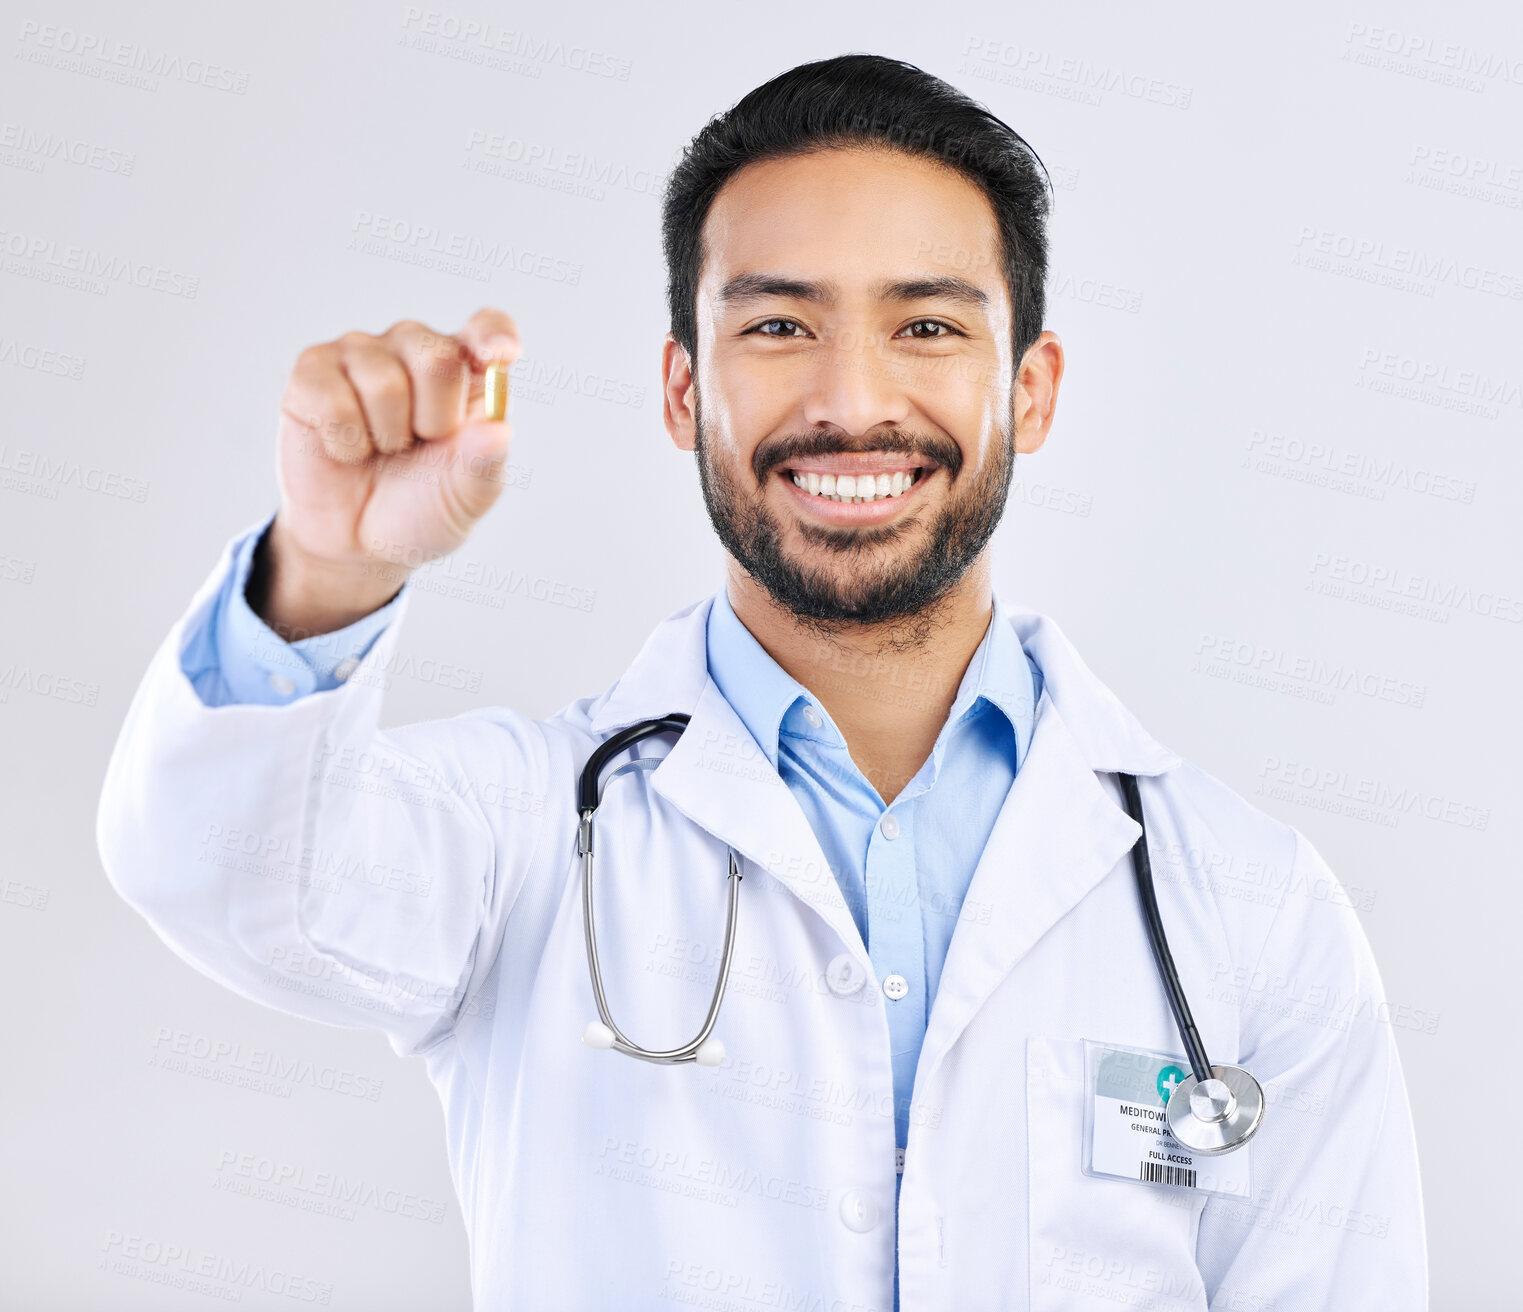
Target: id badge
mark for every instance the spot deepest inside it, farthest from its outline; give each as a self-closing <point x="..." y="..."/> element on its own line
<point x="1126" y="1135"/>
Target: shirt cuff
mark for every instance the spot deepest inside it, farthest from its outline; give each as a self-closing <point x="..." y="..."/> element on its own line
<point x="257" y="665"/>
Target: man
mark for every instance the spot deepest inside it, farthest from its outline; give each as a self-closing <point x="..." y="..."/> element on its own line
<point x="940" y="964"/>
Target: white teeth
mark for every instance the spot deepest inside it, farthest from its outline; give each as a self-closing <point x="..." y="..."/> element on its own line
<point x="862" y="487"/>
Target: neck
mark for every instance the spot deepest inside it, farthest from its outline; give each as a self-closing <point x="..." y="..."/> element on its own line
<point x="887" y="685"/>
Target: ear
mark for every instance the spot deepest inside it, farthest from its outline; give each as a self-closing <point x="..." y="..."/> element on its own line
<point x="1036" y="395"/>
<point x="677" y="395"/>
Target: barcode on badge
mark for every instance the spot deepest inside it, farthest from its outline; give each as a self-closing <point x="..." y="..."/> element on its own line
<point x="1154" y="1173"/>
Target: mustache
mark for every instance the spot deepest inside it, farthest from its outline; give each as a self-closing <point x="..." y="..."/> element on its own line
<point x="782" y="451"/>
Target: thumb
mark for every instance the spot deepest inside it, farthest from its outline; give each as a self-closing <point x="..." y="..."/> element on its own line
<point x="475" y="474"/>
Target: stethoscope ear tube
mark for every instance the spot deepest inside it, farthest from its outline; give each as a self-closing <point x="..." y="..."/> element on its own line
<point x="588" y="787"/>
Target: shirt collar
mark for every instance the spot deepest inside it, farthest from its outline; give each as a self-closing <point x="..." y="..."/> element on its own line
<point x="771" y="703"/>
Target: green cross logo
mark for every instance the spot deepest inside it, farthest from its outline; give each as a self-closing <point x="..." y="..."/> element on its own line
<point x="1168" y="1080"/>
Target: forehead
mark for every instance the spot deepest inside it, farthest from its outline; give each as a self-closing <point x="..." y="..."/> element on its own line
<point x="854" y="215"/>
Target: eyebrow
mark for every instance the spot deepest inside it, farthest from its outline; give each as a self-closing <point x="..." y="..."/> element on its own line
<point x="744" y="287"/>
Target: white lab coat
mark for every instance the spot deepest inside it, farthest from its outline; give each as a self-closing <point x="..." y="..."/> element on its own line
<point x="424" y="880"/>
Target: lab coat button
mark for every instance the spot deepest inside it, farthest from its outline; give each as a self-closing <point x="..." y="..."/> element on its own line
<point x="858" y="1212"/>
<point x="282" y="685"/>
<point x="345" y="668"/>
<point x="896" y="986"/>
<point x="890" y="826"/>
<point x="844" y="975"/>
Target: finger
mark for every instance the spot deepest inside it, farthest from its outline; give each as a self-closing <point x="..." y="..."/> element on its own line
<point x="320" y="397"/>
<point x="490" y="335"/>
<point x="384" y="389"/>
<point x="439" y="373"/>
<point x="491" y="341"/>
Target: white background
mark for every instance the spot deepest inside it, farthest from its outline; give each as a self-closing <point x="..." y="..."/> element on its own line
<point x="1287" y="272"/>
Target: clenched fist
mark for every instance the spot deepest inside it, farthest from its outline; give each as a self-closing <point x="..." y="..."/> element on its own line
<point x="386" y="460"/>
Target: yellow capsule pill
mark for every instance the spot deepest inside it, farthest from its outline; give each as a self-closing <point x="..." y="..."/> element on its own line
<point x="497" y="390"/>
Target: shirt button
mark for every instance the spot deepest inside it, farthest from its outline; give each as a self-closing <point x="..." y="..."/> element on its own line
<point x="890" y="826"/>
<point x="345" y="668"/>
<point x="858" y="1212"/>
<point x="896" y="986"/>
<point x="844" y="975"/>
<point x="282" y="685"/>
<point x="813" y="717"/>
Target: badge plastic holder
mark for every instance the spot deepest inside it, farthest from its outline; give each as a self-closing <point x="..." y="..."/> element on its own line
<point x="1125" y="1093"/>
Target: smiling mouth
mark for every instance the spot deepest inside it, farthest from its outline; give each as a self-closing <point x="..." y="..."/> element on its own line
<point x="885" y="484"/>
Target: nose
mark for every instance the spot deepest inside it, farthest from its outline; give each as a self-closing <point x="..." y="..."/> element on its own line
<point x="852" y="387"/>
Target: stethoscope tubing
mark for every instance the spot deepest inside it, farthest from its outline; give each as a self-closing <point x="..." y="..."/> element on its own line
<point x="588" y="799"/>
<point x="1164" y="959"/>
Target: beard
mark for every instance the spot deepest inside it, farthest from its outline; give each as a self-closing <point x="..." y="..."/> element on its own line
<point x="857" y="582"/>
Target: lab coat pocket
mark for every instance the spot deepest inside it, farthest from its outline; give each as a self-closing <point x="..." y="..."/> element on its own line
<point x="1097" y="1243"/>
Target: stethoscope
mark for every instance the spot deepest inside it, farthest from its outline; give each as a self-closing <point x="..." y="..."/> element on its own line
<point x="1212" y="1110"/>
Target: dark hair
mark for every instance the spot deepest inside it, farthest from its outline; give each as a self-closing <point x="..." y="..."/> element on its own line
<point x="862" y="100"/>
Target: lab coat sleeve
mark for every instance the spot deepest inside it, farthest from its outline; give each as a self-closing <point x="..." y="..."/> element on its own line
<point x="310" y="860"/>
<point x="1336" y="1214"/>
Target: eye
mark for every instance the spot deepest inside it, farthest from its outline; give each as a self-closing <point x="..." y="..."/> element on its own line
<point x="948" y="330"/>
<point x="765" y="323"/>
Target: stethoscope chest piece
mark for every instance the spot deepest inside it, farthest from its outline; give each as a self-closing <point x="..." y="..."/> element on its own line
<point x="1216" y="1116"/>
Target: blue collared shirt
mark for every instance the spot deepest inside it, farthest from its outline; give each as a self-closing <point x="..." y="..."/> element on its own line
<point x="904" y="868"/>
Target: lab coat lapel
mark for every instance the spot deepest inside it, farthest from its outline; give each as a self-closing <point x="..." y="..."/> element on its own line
<point x="1056" y="836"/>
<point x="717" y="774"/>
<point x="719" y="777"/>
<point x="1058" y="833"/>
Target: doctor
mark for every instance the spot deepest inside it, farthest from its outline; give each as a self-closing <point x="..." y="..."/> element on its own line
<point x="939" y="966"/>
